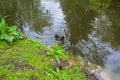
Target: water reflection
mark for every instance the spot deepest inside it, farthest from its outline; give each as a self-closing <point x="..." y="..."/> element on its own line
<point x="58" y="25"/>
<point x="78" y="19"/>
<point x="112" y="66"/>
<point x="25" y="12"/>
<point x="38" y="19"/>
<point x="85" y="30"/>
<point x="49" y="19"/>
<point x="114" y="17"/>
<point x="93" y="35"/>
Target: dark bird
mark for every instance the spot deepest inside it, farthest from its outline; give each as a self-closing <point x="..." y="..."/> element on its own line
<point x="59" y="38"/>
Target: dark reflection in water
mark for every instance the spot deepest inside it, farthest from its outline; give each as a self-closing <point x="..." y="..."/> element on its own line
<point x="86" y="27"/>
<point x="24" y="13"/>
<point x="114" y="17"/>
<point x="93" y="34"/>
<point x="78" y="19"/>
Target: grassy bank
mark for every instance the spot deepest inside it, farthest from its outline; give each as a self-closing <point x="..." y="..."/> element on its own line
<point x="22" y="59"/>
<point x="28" y="60"/>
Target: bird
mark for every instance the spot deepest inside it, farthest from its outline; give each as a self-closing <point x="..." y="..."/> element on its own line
<point x="59" y="38"/>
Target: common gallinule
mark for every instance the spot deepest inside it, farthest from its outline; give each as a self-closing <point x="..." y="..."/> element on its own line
<point x="59" y="38"/>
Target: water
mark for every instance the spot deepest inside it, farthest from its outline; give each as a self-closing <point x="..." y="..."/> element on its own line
<point x="91" y="31"/>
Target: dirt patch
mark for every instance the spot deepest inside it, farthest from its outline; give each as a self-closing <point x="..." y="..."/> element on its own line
<point x="17" y="65"/>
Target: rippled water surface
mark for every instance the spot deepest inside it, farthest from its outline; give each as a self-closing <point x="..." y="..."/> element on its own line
<point x="90" y="30"/>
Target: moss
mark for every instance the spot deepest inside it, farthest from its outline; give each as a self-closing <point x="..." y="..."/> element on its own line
<point x="27" y="60"/>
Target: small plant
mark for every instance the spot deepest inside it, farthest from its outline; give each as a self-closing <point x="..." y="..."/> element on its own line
<point x="9" y="33"/>
<point x="58" y="53"/>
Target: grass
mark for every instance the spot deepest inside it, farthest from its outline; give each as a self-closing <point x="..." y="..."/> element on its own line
<point x="28" y="60"/>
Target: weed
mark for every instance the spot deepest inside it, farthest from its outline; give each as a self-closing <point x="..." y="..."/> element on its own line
<point x="57" y="53"/>
<point x="9" y="33"/>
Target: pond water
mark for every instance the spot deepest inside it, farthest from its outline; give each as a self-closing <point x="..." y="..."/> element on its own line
<point x="91" y="31"/>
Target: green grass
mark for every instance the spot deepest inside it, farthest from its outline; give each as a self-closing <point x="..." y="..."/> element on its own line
<point x="27" y="60"/>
